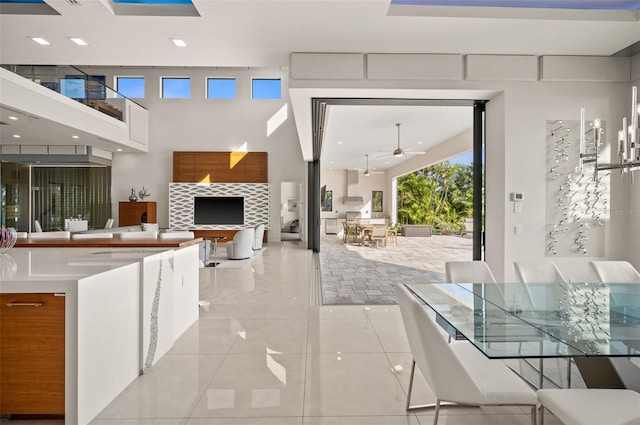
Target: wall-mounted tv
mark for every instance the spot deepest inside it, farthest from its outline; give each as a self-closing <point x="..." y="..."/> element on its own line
<point x="218" y="210"/>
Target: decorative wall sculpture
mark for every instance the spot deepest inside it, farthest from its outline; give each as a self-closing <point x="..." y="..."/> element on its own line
<point x="577" y="205"/>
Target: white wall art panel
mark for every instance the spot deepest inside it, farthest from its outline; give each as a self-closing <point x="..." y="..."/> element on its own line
<point x="577" y="200"/>
<point x="256" y="203"/>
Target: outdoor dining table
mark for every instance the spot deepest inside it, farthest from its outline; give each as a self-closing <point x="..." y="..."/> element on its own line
<point x="363" y="230"/>
<point x="596" y="324"/>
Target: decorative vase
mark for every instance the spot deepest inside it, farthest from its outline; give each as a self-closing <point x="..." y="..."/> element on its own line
<point x="8" y="237"/>
<point x="133" y="197"/>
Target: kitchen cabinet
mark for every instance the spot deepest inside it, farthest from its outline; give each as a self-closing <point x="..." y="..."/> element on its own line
<point x="32" y="340"/>
<point x="135" y="213"/>
<point x="331" y="226"/>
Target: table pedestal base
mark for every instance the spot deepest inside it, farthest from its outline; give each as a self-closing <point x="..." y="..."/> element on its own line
<point x="609" y="372"/>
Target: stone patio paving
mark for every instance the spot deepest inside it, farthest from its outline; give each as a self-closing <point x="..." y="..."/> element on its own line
<point x="353" y="274"/>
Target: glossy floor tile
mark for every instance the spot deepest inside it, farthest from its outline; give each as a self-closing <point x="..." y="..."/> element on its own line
<point x="261" y="354"/>
<point x="270" y="384"/>
<point x="343" y="336"/>
<point x="352" y="384"/>
<point x="168" y="390"/>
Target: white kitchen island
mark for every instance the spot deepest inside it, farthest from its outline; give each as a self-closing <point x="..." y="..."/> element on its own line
<point x="124" y="308"/>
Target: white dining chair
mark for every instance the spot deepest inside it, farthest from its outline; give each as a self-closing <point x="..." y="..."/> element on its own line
<point x="468" y="272"/>
<point x="37" y="227"/>
<point x="86" y="236"/>
<point x="458" y="372"/>
<point x="615" y="271"/>
<point x="475" y="272"/>
<point x="538" y="271"/>
<point x="591" y="406"/>
<point x="541" y="271"/>
<point x="109" y="223"/>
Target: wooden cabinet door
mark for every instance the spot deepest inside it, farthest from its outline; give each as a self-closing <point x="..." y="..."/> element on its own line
<point x="135" y="213"/>
<point x="32" y="354"/>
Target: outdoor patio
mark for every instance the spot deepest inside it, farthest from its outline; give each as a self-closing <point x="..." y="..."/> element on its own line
<point x="354" y="274"/>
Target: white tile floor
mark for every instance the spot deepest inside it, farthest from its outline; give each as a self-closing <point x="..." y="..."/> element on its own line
<point x="261" y="355"/>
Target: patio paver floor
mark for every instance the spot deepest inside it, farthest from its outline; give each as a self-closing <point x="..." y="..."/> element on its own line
<point x="353" y="274"/>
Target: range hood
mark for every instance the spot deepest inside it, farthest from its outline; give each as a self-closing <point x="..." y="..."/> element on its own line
<point x="353" y="191"/>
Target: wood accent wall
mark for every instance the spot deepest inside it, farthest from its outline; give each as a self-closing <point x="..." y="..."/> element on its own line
<point x="220" y="167"/>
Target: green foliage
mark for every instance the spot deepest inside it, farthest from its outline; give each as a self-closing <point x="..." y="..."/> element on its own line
<point x="440" y="195"/>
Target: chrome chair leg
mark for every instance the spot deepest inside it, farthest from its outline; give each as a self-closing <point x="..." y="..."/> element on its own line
<point x="541" y="414"/>
<point x="534" y="419"/>
<point x="413" y="370"/>
<point x="437" y="412"/>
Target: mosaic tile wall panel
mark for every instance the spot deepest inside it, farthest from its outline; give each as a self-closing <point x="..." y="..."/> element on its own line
<point x="256" y="203"/>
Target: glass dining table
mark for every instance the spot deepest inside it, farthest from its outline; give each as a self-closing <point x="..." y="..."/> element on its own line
<point x="596" y="324"/>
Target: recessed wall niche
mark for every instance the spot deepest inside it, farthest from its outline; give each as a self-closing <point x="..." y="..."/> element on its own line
<point x="577" y="208"/>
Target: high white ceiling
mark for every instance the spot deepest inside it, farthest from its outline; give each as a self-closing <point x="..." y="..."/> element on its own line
<point x="263" y="33"/>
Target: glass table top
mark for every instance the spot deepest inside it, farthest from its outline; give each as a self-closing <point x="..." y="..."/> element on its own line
<point x="514" y="320"/>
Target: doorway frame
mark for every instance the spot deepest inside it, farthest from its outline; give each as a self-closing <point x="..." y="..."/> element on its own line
<point x="318" y="121"/>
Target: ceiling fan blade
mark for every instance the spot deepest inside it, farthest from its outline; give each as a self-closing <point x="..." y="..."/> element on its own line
<point x="385" y="155"/>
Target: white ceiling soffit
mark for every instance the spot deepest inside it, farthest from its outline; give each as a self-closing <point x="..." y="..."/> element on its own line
<point x="301" y="100"/>
<point x="396" y="9"/>
<point x="355" y="131"/>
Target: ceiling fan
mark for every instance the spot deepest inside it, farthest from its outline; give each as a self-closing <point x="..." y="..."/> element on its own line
<point x="400" y="152"/>
<point x="367" y="173"/>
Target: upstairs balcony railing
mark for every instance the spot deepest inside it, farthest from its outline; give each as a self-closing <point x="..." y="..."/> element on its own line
<point x="72" y="82"/>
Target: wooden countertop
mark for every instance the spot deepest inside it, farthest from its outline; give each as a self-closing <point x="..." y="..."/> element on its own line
<point x="106" y="243"/>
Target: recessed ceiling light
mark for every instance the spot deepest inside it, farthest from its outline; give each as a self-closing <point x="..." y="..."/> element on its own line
<point x="41" y="41"/>
<point x="17" y="136"/>
<point x="13" y="118"/>
<point x="79" y="41"/>
<point x="179" y="42"/>
<point x="75" y="137"/>
<point x="119" y="150"/>
<point x="419" y="143"/>
<point x="339" y="143"/>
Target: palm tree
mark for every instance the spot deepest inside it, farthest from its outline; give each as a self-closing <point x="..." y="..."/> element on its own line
<point x="440" y="195"/>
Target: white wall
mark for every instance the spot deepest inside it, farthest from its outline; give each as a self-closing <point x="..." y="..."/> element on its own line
<point x="200" y="124"/>
<point x="633" y="219"/>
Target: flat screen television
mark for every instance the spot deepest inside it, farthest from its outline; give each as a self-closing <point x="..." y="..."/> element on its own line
<point x="218" y="210"/>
